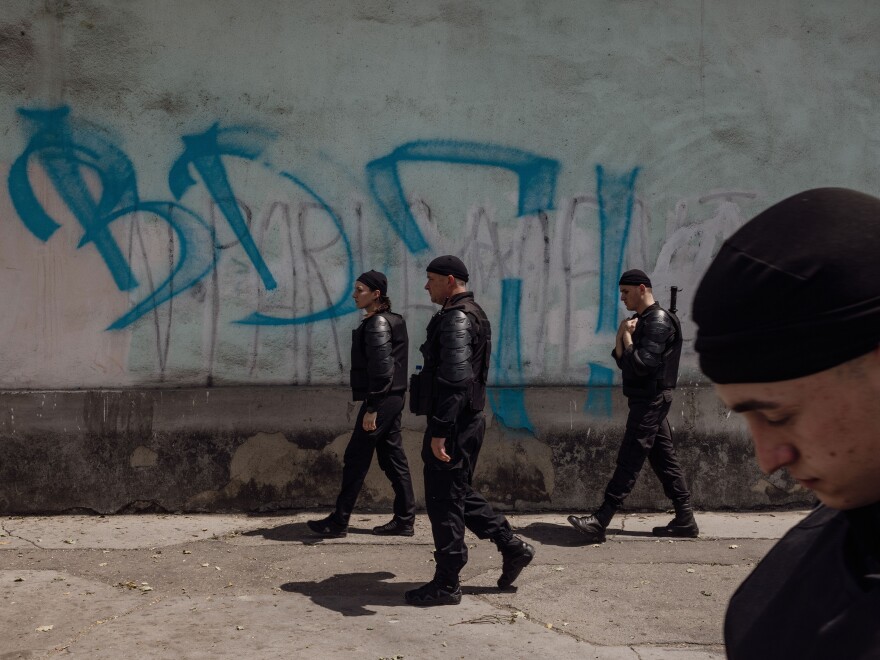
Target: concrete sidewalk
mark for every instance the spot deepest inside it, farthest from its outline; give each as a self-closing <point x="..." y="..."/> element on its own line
<point x="233" y="586"/>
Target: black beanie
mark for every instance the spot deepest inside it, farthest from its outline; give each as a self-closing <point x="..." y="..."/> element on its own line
<point x="449" y="265"/>
<point x="794" y="292"/>
<point x="634" y="278"/>
<point x="375" y="280"/>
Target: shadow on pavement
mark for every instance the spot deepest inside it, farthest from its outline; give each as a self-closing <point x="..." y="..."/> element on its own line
<point x="298" y="531"/>
<point x="552" y="534"/>
<point x="288" y="532"/>
<point x="625" y="532"/>
<point x="351" y="594"/>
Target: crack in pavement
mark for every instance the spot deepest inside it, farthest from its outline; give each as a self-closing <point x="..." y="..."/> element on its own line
<point x="514" y="611"/>
<point x="82" y="633"/>
<point x="20" y="538"/>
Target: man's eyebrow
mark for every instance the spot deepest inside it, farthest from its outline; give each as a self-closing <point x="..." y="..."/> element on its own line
<point x="753" y="404"/>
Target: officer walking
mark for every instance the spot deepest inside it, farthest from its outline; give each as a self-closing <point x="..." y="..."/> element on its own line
<point x="647" y="350"/>
<point x="379" y="350"/>
<point x="451" y="391"/>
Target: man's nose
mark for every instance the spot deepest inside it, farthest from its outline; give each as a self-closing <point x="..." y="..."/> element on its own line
<point x="771" y="453"/>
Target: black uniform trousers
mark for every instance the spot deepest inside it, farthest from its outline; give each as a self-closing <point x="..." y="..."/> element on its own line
<point x="388" y="445"/>
<point x="648" y="435"/>
<point x="451" y="501"/>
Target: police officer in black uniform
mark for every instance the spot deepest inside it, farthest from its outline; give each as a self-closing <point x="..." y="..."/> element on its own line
<point x="451" y="391"/>
<point x="379" y="351"/>
<point x="789" y="333"/>
<point x="647" y="351"/>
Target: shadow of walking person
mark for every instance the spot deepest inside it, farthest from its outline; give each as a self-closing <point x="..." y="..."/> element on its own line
<point x="351" y="594"/>
<point x="297" y="532"/>
<point x="288" y="532"/>
<point x="551" y="534"/>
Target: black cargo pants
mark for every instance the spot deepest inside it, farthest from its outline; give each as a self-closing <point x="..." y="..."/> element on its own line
<point x="388" y="445"/>
<point x="648" y="435"/>
<point x="451" y="500"/>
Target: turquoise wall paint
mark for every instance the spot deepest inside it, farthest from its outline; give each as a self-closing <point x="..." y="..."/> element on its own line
<point x="214" y="174"/>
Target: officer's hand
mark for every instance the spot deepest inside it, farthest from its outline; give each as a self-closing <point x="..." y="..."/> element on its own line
<point x="438" y="447"/>
<point x="369" y="423"/>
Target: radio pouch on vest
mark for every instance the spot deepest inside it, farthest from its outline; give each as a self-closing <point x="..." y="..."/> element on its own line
<point x="421" y="392"/>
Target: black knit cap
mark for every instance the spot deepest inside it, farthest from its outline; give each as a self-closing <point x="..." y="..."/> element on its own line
<point x="449" y="265"/>
<point x="375" y="280"/>
<point x="794" y="292"/>
<point x="634" y="277"/>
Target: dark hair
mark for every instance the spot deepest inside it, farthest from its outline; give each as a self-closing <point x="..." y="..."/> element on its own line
<point x="384" y="303"/>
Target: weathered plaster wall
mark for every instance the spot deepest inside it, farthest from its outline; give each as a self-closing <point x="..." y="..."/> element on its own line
<point x="252" y="448"/>
<point x="188" y="188"/>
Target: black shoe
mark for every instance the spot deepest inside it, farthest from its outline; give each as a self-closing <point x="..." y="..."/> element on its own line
<point x="394" y="528"/>
<point x="589" y="527"/>
<point x="680" y="528"/>
<point x="432" y="594"/>
<point x="515" y="557"/>
<point x="328" y="528"/>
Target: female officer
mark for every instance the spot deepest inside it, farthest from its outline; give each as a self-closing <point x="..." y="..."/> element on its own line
<point x="379" y="350"/>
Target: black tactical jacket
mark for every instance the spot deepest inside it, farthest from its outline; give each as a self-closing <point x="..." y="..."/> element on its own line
<point x="650" y="365"/>
<point x="815" y="596"/>
<point x="456" y="356"/>
<point x="379" y="351"/>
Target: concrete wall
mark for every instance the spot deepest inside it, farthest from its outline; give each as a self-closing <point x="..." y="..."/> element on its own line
<point x="190" y="188"/>
<point x="250" y="448"/>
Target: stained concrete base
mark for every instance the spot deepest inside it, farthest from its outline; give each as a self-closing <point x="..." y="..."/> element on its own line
<point x="231" y="586"/>
<point x="269" y="448"/>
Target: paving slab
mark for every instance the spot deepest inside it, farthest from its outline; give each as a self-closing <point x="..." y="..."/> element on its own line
<point x="121" y="531"/>
<point x="231" y="586"/>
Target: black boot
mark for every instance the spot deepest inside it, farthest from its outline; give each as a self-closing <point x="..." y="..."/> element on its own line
<point x="394" y="528"/>
<point x="516" y="554"/>
<point x="682" y="526"/>
<point x="435" y="592"/>
<point x="328" y="527"/>
<point x="593" y="527"/>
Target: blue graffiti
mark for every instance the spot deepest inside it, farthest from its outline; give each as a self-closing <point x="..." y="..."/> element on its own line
<point x="344" y="305"/>
<point x="70" y="153"/>
<point x="537" y="190"/>
<point x="599" y="390"/>
<point x="204" y="151"/>
<point x="508" y="403"/>
<point x="537" y="179"/>
<point x="195" y="259"/>
<point x="63" y="149"/>
<point x="616" y="193"/>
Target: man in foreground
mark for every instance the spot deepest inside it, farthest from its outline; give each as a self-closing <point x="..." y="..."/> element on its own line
<point x="451" y="391"/>
<point x="647" y="350"/>
<point x="789" y="332"/>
